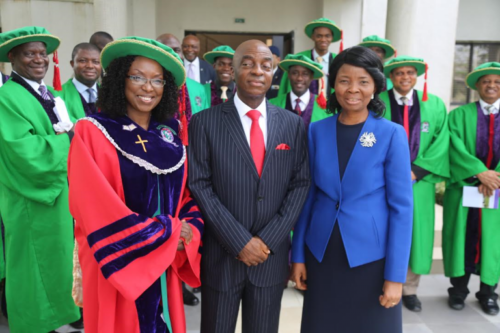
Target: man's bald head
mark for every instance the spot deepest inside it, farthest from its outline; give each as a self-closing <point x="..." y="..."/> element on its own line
<point x="190" y="47"/>
<point x="253" y="66"/>
<point x="172" y="42"/>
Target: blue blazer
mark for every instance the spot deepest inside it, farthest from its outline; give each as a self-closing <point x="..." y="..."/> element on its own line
<point x="373" y="203"/>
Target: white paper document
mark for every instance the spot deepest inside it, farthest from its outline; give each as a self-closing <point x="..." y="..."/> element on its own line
<point x="472" y="198"/>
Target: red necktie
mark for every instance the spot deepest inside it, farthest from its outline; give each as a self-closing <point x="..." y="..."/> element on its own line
<point x="257" y="146"/>
<point x="491" y="135"/>
<point x="406" y="116"/>
<point x="297" y="107"/>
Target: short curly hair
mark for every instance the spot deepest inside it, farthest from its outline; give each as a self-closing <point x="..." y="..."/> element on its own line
<point x="365" y="58"/>
<point x="112" y="100"/>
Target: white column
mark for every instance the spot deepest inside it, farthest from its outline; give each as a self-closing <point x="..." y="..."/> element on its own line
<point x="111" y="16"/>
<point x="426" y="29"/>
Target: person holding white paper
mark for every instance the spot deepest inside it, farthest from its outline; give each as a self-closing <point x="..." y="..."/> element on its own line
<point x="471" y="235"/>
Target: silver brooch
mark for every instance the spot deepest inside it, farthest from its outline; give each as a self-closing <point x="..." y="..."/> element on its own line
<point x="368" y="140"/>
<point x="129" y="128"/>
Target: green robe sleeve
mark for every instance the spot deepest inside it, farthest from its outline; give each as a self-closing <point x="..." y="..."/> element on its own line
<point x="435" y="156"/>
<point x="463" y="161"/>
<point x="32" y="158"/>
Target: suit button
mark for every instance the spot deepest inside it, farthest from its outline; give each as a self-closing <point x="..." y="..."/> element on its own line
<point x="337" y="207"/>
<point x="259" y="199"/>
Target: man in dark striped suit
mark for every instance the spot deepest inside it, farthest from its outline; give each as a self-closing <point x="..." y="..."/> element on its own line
<point x="249" y="174"/>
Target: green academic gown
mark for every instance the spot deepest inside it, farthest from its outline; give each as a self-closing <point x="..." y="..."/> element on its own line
<point x="464" y="164"/>
<point x="73" y="101"/>
<point x="285" y="86"/>
<point x="433" y="157"/>
<point x="197" y="96"/>
<point x="317" y="113"/>
<point x="34" y="205"/>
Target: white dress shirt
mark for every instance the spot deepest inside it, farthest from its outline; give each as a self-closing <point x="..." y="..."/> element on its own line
<point x="246" y="121"/>
<point x="196" y="68"/>
<point x="82" y="89"/>
<point x="398" y="96"/>
<point x="494" y="110"/>
<point x="304" y="100"/>
<point x="326" y="60"/>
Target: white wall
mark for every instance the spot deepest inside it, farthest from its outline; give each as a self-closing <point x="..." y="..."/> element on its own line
<point x="177" y="16"/>
<point x="478" y="20"/>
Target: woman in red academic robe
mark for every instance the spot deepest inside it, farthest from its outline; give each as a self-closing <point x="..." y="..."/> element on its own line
<point x="138" y="230"/>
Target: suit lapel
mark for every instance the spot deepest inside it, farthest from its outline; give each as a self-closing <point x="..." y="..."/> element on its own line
<point x="232" y="120"/>
<point x="274" y="127"/>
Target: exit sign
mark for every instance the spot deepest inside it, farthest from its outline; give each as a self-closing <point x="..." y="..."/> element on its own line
<point x="239" y="20"/>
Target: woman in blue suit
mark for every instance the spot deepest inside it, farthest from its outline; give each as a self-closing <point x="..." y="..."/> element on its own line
<point x="351" y="245"/>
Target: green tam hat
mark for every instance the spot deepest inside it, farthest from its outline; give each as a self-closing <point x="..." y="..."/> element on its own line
<point x="301" y="60"/>
<point x="220" y="51"/>
<point x="403" y="61"/>
<point x="482" y="70"/>
<point x="376" y="41"/>
<point x="13" y="38"/>
<point x="148" y="48"/>
<point x="324" y="22"/>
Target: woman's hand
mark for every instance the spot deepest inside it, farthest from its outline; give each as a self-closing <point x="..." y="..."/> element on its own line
<point x="490" y="179"/>
<point x="186" y="235"/>
<point x="299" y="275"/>
<point x="392" y="294"/>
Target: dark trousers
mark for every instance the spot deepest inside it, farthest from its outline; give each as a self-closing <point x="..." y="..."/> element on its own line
<point x="461" y="290"/>
<point x="260" y="308"/>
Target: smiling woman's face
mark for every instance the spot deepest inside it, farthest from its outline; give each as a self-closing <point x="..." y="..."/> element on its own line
<point x="354" y="88"/>
<point x="143" y="97"/>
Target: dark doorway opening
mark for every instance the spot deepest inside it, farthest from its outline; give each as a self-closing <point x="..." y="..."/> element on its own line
<point x="211" y="39"/>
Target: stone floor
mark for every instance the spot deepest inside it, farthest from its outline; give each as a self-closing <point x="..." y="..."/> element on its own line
<point x="435" y="317"/>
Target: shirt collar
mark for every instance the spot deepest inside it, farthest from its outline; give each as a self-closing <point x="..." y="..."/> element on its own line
<point x="230" y="87"/>
<point x="195" y="62"/>
<point x="242" y="108"/>
<point x="496" y="106"/>
<point x="35" y="85"/>
<point x="398" y="96"/>
<point x="83" y="88"/>
<point x="326" y="57"/>
<point x="275" y="70"/>
<point x="305" y="98"/>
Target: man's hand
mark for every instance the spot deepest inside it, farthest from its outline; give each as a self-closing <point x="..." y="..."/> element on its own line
<point x="484" y="190"/>
<point x="489" y="179"/>
<point x="254" y="253"/>
<point x="186" y="235"/>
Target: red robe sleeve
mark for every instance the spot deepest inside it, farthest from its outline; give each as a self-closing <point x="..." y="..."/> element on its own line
<point x="132" y="251"/>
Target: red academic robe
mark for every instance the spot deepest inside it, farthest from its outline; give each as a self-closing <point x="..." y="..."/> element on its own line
<point x="117" y="270"/>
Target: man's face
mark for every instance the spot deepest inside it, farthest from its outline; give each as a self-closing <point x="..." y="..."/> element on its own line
<point x="254" y="72"/>
<point x="300" y="79"/>
<point x="101" y="42"/>
<point x="322" y="38"/>
<point x="404" y="79"/>
<point x="379" y="51"/>
<point x="87" y="66"/>
<point x="488" y="87"/>
<point x="224" y="69"/>
<point x="30" y="60"/>
<point x="190" y="47"/>
<point x="174" y="44"/>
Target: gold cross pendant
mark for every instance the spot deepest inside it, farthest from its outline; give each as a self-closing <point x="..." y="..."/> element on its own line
<point x="142" y="143"/>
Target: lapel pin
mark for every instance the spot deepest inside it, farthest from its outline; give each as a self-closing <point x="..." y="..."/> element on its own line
<point x="368" y="139"/>
<point x="129" y="128"/>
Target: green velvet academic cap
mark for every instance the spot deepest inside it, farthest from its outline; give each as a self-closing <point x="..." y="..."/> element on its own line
<point x="13" y="38"/>
<point x="220" y="51"/>
<point x="148" y="48"/>
<point x="482" y="70"/>
<point x="402" y="61"/>
<point x="376" y="41"/>
<point x="301" y="60"/>
<point x="324" y="22"/>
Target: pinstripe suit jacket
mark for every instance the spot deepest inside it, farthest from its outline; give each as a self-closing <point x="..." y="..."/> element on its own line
<point x="236" y="203"/>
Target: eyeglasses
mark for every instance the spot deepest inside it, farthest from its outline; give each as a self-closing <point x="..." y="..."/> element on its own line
<point x="139" y="80"/>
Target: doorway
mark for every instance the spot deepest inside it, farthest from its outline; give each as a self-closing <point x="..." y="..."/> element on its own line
<point x="211" y="39"/>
